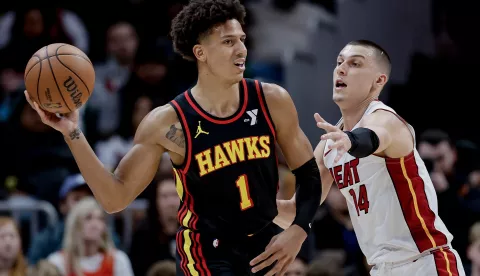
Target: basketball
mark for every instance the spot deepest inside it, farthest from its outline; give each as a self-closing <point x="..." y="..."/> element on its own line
<point x="60" y="78"/>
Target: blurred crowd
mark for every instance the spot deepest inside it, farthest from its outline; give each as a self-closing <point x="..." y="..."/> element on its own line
<point x="136" y="71"/>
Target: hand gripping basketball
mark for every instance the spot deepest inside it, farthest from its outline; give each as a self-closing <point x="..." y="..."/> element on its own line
<point x="65" y="123"/>
<point x="341" y="141"/>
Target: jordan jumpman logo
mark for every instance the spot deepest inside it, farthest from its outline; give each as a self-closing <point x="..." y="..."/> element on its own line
<point x="200" y="130"/>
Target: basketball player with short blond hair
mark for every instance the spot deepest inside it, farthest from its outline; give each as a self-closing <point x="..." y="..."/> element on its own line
<point x="370" y="155"/>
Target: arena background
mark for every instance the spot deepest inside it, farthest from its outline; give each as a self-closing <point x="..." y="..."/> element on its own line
<point x="292" y="43"/>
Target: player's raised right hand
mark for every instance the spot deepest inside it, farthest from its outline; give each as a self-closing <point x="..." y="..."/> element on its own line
<point x="65" y="123"/>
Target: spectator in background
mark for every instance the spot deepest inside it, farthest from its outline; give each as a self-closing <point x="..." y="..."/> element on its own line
<point x="87" y="245"/>
<point x="297" y="268"/>
<point x="327" y="265"/>
<point x="34" y="152"/>
<point x="471" y="195"/>
<point x="27" y="29"/>
<point x="440" y="156"/>
<point x="473" y="253"/>
<point x="111" y="151"/>
<point x="155" y="239"/>
<point x="150" y="78"/>
<point x="49" y="240"/>
<point x="102" y="113"/>
<point x="44" y="268"/>
<point x="12" y="261"/>
<point x="162" y="268"/>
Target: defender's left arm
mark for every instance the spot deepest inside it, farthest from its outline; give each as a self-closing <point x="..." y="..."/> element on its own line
<point x="298" y="153"/>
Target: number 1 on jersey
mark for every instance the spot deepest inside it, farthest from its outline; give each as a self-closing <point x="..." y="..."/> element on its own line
<point x="242" y="185"/>
<point x="362" y="204"/>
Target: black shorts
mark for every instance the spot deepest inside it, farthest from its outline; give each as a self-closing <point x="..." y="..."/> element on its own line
<point x="205" y="254"/>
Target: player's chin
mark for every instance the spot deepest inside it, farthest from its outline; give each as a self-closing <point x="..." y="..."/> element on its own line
<point x="237" y="77"/>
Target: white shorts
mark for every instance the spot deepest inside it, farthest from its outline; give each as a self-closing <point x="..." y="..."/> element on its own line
<point x="441" y="262"/>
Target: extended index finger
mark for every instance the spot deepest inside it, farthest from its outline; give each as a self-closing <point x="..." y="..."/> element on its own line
<point x="327" y="127"/>
<point x="319" y="118"/>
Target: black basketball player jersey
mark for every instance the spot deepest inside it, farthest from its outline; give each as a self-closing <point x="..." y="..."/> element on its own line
<point x="229" y="179"/>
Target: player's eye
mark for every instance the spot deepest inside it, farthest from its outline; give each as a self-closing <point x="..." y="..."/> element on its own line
<point x="228" y="41"/>
<point x="339" y="63"/>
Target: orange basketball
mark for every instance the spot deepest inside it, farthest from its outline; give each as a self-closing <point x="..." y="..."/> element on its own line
<point x="60" y="78"/>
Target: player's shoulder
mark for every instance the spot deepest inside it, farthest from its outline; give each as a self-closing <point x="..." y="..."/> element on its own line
<point x="385" y="117"/>
<point x="161" y="116"/>
<point x="275" y="95"/>
<point x="273" y="90"/>
<point x="156" y="123"/>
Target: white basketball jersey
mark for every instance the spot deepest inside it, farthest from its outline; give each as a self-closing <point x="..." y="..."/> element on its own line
<point x="391" y="201"/>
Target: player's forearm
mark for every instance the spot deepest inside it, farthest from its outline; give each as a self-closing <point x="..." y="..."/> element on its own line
<point x="308" y="194"/>
<point x="107" y="189"/>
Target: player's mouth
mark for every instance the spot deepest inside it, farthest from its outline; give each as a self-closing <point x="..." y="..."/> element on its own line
<point x="339" y="84"/>
<point x="240" y="63"/>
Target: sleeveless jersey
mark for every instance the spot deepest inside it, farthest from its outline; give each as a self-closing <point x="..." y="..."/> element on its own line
<point x="391" y="201"/>
<point x="229" y="179"/>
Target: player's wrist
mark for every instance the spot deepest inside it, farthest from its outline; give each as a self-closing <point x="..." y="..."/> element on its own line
<point x="306" y="227"/>
<point x="72" y="133"/>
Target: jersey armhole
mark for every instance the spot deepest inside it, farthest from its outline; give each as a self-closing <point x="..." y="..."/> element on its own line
<point x="188" y="139"/>
<point x="264" y="107"/>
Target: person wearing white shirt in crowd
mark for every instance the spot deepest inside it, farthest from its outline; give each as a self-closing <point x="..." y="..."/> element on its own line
<point x="88" y="246"/>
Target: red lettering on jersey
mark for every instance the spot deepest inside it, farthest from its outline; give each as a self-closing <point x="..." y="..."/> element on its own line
<point x="337" y="175"/>
<point x="348" y="171"/>
<point x="354" y="164"/>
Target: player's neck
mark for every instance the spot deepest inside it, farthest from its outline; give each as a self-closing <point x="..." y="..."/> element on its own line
<point x="352" y="115"/>
<point x="215" y="96"/>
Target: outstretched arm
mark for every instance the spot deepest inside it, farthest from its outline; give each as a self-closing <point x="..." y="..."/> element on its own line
<point x="115" y="191"/>
<point x="380" y="132"/>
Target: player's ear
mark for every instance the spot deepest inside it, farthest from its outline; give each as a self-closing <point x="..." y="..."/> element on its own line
<point x="199" y="52"/>
<point x="381" y="80"/>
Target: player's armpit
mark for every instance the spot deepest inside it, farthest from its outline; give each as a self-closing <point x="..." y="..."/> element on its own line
<point x="327" y="179"/>
<point x="395" y="140"/>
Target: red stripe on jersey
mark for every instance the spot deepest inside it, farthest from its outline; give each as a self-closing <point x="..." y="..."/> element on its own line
<point x="410" y="190"/>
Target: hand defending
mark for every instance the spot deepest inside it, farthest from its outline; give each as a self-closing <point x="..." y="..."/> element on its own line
<point x="340" y="139"/>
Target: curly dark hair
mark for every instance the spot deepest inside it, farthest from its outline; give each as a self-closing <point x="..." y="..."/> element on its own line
<point x="197" y="19"/>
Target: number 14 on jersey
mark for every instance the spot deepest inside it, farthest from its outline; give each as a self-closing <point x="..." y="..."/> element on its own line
<point x="361" y="203"/>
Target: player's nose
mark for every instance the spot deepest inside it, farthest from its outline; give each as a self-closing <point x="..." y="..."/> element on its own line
<point x="341" y="70"/>
<point x="242" y="50"/>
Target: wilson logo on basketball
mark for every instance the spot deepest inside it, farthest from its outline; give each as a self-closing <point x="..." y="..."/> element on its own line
<point x="48" y="94"/>
<point x="52" y="105"/>
<point x="75" y="94"/>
